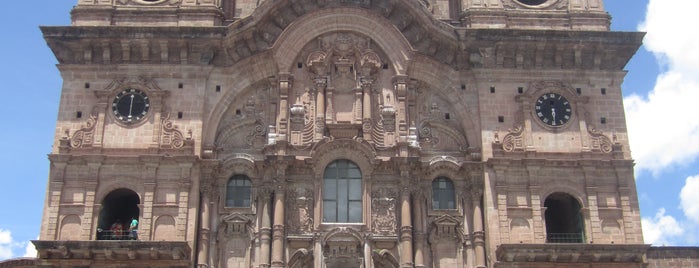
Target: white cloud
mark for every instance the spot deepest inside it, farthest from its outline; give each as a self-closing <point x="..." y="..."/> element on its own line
<point x="689" y="197"/>
<point x="8" y="246"/>
<point x="661" y="229"/>
<point x="30" y="250"/>
<point x="662" y="126"/>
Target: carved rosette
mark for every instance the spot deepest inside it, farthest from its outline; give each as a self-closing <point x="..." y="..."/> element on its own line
<point x="85" y="136"/>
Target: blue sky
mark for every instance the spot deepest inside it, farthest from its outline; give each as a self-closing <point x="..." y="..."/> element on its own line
<point x="662" y="83"/>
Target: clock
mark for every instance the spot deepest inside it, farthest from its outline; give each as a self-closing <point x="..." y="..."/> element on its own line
<point x="553" y="109"/>
<point x="532" y="2"/>
<point x="130" y="106"/>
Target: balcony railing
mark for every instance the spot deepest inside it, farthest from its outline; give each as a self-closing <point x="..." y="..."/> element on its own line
<point x="564" y="238"/>
<point x="116" y="235"/>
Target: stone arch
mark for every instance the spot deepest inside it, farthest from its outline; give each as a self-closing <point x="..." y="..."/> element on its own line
<point x="70" y="228"/>
<point x="384" y="259"/>
<point x="164" y="229"/>
<point x="379" y="29"/>
<point x="302" y="258"/>
<point x="119" y="207"/>
<point x="564" y="219"/>
<point x="358" y="152"/>
<point x="238" y="164"/>
<point x="256" y="69"/>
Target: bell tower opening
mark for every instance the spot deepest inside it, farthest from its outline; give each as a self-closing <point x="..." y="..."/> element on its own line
<point x="119" y="209"/>
<point x="564" y="221"/>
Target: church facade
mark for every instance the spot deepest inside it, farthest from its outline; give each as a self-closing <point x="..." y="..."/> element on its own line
<point x="341" y="133"/>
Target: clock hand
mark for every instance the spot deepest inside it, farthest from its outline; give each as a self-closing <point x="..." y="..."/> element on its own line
<point x="553" y="114"/>
<point x="131" y="105"/>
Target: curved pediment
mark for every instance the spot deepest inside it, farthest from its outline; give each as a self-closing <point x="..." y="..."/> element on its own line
<point x="278" y="23"/>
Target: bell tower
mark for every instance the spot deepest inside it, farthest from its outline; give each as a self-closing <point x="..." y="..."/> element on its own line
<point x="145" y="13"/>
<point x="586" y="15"/>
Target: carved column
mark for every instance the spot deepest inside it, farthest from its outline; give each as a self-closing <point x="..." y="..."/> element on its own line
<point x="265" y="233"/>
<point x="406" y="230"/>
<point x="320" y="84"/>
<point x="206" y="189"/>
<point x="284" y="87"/>
<point x="478" y="233"/>
<point x="418" y="222"/>
<point x="278" y="231"/>
<point x="401" y="91"/>
<point x="366" y="108"/>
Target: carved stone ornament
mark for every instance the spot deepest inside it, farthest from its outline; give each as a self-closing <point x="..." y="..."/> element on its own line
<point x="235" y="224"/>
<point x="171" y="136"/>
<point x="300" y="214"/>
<point x="599" y="141"/>
<point x="445" y="227"/>
<point x="383" y="211"/>
<point x="514" y="140"/>
<point x="85" y="135"/>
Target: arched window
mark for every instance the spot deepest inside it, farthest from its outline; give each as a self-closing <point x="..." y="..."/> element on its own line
<point x="342" y="192"/>
<point x="119" y="209"/>
<point x="443" y="194"/>
<point x="564" y="221"/>
<point x="238" y="192"/>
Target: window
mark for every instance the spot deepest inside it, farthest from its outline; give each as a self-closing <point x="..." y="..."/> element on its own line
<point x="119" y="209"/>
<point x="342" y="192"/>
<point x="564" y="221"/>
<point x="238" y="191"/>
<point x="443" y="194"/>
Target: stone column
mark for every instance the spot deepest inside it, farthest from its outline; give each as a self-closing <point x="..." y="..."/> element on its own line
<point x="278" y="231"/>
<point x="265" y="232"/>
<point x="320" y="84"/>
<point x="406" y="230"/>
<point x="420" y="237"/>
<point x="366" y="108"/>
<point x="205" y="224"/>
<point x="478" y="233"/>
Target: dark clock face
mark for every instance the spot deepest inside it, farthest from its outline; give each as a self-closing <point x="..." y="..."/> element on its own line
<point x="130" y="106"/>
<point x="553" y="109"/>
<point x="532" y="2"/>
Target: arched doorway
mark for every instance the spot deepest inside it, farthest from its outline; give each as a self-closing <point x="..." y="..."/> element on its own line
<point x="564" y="221"/>
<point x="119" y="208"/>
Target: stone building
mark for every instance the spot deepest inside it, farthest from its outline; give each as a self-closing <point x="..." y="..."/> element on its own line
<point x="341" y="133"/>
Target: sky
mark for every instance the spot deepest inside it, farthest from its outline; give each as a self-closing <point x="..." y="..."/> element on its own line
<point x="660" y="94"/>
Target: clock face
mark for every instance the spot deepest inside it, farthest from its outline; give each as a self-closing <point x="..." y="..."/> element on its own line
<point x="532" y="2"/>
<point x="130" y="106"/>
<point x="553" y="109"/>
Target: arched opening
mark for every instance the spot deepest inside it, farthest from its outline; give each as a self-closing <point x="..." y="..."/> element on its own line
<point x="119" y="211"/>
<point x="443" y="194"/>
<point x="238" y="191"/>
<point x="564" y="220"/>
<point x="342" y="192"/>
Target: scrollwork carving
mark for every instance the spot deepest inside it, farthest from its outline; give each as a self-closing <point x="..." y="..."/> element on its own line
<point x="514" y="140"/>
<point x="599" y="141"/>
<point x="85" y="136"/>
<point x="171" y="136"/>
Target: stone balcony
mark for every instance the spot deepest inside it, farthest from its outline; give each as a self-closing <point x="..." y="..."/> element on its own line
<point x="105" y="253"/>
